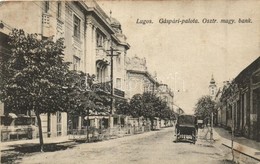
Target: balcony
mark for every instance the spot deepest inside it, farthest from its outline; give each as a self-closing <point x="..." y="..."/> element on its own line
<point x="103" y="87"/>
<point x="106" y="88"/>
<point x="119" y="92"/>
<point x="101" y="54"/>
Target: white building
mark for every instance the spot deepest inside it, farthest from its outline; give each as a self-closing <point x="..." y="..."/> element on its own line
<point x="88" y="31"/>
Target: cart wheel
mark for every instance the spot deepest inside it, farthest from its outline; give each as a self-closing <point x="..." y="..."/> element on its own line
<point x="177" y="136"/>
<point x="194" y="137"/>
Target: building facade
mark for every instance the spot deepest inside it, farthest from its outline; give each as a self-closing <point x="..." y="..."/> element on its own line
<point x="47" y="21"/>
<point x="166" y="94"/>
<point x="212" y="88"/>
<point x="240" y="102"/>
<point x="138" y="78"/>
<point x="90" y="35"/>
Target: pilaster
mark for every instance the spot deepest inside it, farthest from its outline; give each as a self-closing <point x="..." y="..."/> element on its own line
<point x="94" y="47"/>
<point x="88" y="43"/>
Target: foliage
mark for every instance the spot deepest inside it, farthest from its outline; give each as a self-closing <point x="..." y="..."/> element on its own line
<point x="33" y="75"/>
<point x="168" y="114"/>
<point x="204" y="107"/>
<point x="146" y="105"/>
<point x="82" y="99"/>
<point x="136" y="105"/>
<point x="123" y="107"/>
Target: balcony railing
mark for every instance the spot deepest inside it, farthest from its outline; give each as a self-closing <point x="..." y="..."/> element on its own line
<point x="119" y="92"/>
<point x="106" y="87"/>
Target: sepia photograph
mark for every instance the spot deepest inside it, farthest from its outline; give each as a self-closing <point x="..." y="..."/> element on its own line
<point x="130" y="81"/>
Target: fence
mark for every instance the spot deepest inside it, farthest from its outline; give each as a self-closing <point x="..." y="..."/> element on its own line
<point x="97" y="134"/>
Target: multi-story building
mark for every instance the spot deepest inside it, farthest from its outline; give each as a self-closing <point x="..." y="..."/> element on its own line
<point x="47" y="20"/>
<point x="166" y="94"/>
<point x="107" y="49"/>
<point x="89" y="33"/>
<point x="138" y="78"/>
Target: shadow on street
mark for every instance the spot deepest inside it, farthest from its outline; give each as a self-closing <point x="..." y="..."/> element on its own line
<point x="19" y="151"/>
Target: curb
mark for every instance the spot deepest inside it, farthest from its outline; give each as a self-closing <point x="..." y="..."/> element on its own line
<point x="226" y="143"/>
<point x="246" y="154"/>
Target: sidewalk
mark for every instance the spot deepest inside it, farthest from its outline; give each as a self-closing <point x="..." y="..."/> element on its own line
<point x="243" y="145"/>
<point x="10" y="145"/>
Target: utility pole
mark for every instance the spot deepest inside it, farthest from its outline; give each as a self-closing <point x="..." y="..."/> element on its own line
<point x="111" y="77"/>
<point x="211" y="131"/>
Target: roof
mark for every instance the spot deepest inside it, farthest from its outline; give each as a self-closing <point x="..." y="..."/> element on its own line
<point x="98" y="12"/>
<point x="245" y="74"/>
<point x="115" y="23"/>
<point x="147" y="74"/>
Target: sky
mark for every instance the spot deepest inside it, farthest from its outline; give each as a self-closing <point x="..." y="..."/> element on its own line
<point x="185" y="56"/>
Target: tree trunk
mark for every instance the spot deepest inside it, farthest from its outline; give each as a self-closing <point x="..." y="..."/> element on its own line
<point x="40" y="130"/>
<point x="88" y="123"/>
<point x="48" y="125"/>
<point x="151" y="123"/>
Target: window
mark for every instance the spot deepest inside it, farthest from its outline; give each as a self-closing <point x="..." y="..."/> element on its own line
<point x="100" y="40"/>
<point x="58" y="9"/>
<point x="146" y="88"/>
<point x="76" y="63"/>
<point x="76" y="26"/>
<point x="46" y="6"/>
<point x="118" y="60"/>
<point x="118" y="83"/>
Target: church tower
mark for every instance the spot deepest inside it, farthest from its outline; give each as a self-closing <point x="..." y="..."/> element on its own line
<point x="212" y="88"/>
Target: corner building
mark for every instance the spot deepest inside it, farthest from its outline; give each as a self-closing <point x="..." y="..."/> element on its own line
<point x="88" y="31"/>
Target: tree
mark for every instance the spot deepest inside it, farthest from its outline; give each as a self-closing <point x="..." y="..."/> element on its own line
<point x="84" y="99"/>
<point x="122" y="107"/>
<point x="204" y="107"/>
<point x="167" y="114"/>
<point x="33" y="76"/>
<point x="136" y="105"/>
<point x="146" y="105"/>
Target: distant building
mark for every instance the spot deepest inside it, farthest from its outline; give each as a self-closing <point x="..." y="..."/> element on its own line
<point x="138" y="78"/>
<point x="178" y="110"/>
<point x="165" y="93"/>
<point x="221" y="110"/>
<point x="212" y="88"/>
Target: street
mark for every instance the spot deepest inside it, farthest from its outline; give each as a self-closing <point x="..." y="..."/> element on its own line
<point x="151" y="147"/>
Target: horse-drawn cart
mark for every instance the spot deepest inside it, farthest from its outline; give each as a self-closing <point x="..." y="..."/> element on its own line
<point x="186" y="128"/>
